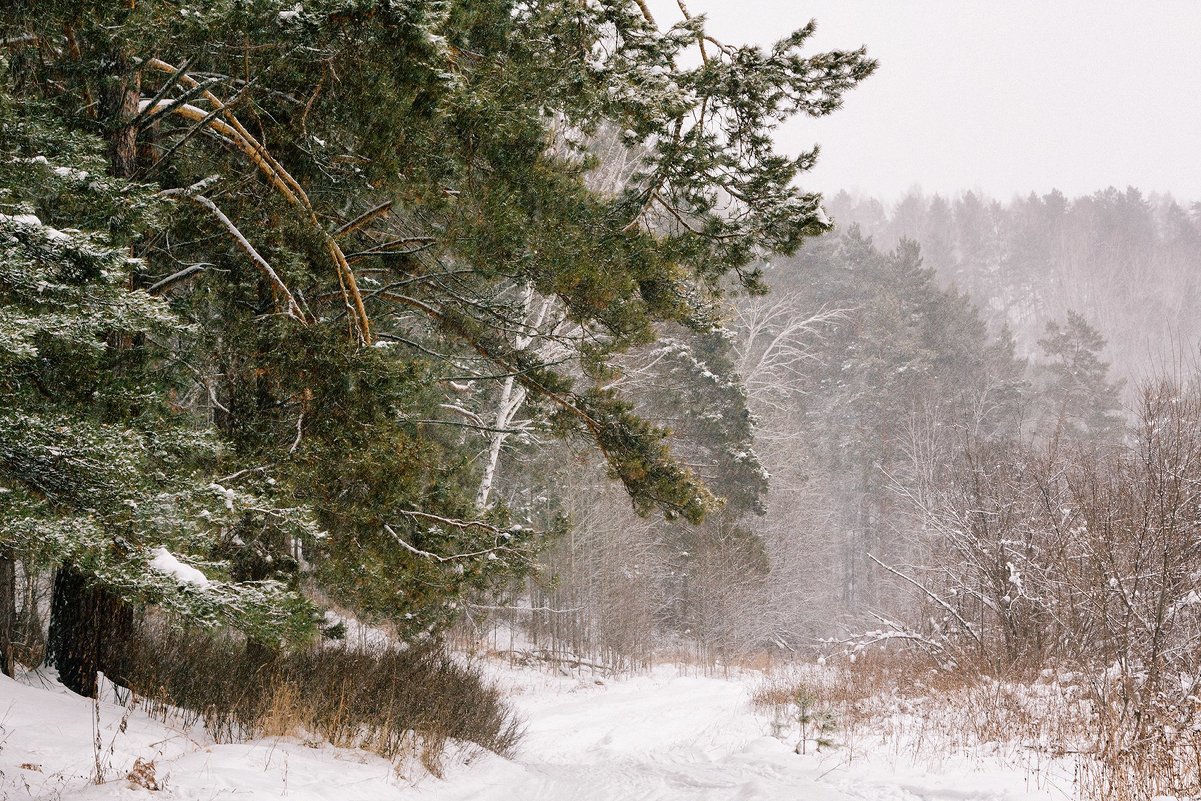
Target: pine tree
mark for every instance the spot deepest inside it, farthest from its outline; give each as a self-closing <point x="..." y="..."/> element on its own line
<point x="1081" y="403"/>
<point x="99" y="475"/>
<point x="350" y="195"/>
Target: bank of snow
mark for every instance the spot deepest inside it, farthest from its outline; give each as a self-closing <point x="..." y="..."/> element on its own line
<point x="670" y="737"/>
<point x="663" y="736"/>
<point x="57" y="745"/>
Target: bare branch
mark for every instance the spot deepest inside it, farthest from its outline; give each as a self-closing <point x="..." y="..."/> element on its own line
<point x="292" y="308"/>
<point x="967" y="627"/>
<point x="174" y="278"/>
<point x="454" y="557"/>
<point x="382" y="210"/>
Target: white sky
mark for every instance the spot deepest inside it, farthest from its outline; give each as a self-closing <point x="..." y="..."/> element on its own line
<point x="1006" y="97"/>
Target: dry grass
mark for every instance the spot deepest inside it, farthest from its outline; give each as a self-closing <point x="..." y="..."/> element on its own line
<point x="401" y="704"/>
<point x="900" y="702"/>
<point x="920" y="711"/>
<point x="1165" y="761"/>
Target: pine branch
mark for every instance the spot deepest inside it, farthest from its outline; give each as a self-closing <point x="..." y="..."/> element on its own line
<point x="292" y="308"/>
<point x="283" y="181"/>
<point x="455" y="524"/>
<point x="382" y="210"/>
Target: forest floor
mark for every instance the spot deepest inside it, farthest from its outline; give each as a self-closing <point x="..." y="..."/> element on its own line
<point x="662" y="736"/>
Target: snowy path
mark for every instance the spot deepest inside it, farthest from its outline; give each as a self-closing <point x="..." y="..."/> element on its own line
<point x="671" y="738"/>
<point x="662" y="737"/>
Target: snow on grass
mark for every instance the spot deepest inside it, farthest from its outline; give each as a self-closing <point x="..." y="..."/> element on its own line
<point x="57" y="745"/>
<point x="664" y="736"/>
<point x="669" y="736"/>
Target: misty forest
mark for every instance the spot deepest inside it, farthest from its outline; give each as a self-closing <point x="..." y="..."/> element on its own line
<point x="470" y="399"/>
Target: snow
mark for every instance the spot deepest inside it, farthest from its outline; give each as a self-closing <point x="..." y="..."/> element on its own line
<point x="166" y="562"/>
<point x="671" y="736"/>
<point x="363" y="635"/>
<point x="31" y="220"/>
<point x="49" y="752"/>
<point x="61" y="172"/>
<point x="667" y="736"/>
<point x="22" y="219"/>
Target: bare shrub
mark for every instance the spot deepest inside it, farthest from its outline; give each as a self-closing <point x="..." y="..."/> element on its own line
<point x="393" y="702"/>
<point x="1081" y="559"/>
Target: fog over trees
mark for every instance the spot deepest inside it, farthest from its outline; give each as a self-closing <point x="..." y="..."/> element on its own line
<point x="1035" y="321"/>
<point x="1123" y="260"/>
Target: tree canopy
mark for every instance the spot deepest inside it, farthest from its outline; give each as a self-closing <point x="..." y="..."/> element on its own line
<point x="284" y="256"/>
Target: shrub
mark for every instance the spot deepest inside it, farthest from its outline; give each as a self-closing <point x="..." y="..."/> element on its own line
<point x="396" y="702"/>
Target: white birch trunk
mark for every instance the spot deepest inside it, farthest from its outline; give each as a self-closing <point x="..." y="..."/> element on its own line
<point x="512" y="397"/>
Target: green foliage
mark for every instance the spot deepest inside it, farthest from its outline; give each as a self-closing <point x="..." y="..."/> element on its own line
<point x="277" y="127"/>
<point x="694" y="389"/>
<point x="96" y="469"/>
<point x="816" y="723"/>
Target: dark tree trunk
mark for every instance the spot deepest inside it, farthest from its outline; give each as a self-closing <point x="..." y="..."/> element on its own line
<point x="121" y="93"/>
<point x="8" y="610"/>
<point x="74" y="643"/>
<point x="90" y="629"/>
<point x="116" y="626"/>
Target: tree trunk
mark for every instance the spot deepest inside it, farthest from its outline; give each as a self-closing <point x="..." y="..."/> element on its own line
<point x="89" y="626"/>
<point x="8" y="610"/>
<point x="115" y="623"/>
<point x="74" y="646"/>
<point x="121" y="93"/>
<point x="90" y="629"/>
<point x="510" y="401"/>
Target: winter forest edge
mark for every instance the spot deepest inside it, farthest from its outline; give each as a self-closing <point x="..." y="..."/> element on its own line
<point x="349" y="350"/>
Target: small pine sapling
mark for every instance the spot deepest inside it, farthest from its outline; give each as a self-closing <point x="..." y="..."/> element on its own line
<point x="813" y="723"/>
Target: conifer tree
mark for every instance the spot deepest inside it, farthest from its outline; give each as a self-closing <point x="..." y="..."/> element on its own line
<point x="351" y="194"/>
<point x="99" y="475"/>
<point x="1082" y="404"/>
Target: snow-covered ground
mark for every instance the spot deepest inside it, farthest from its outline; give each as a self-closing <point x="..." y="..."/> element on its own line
<point x="662" y="736"/>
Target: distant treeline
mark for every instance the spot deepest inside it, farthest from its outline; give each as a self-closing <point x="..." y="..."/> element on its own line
<point x="1128" y="262"/>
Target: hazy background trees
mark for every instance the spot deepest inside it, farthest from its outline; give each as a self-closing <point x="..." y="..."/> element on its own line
<point x="941" y="355"/>
<point x="1124" y="261"/>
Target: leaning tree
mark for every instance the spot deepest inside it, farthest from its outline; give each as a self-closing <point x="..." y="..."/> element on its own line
<point x="357" y="203"/>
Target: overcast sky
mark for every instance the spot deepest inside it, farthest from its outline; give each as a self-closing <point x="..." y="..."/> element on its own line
<point x="1006" y="97"/>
